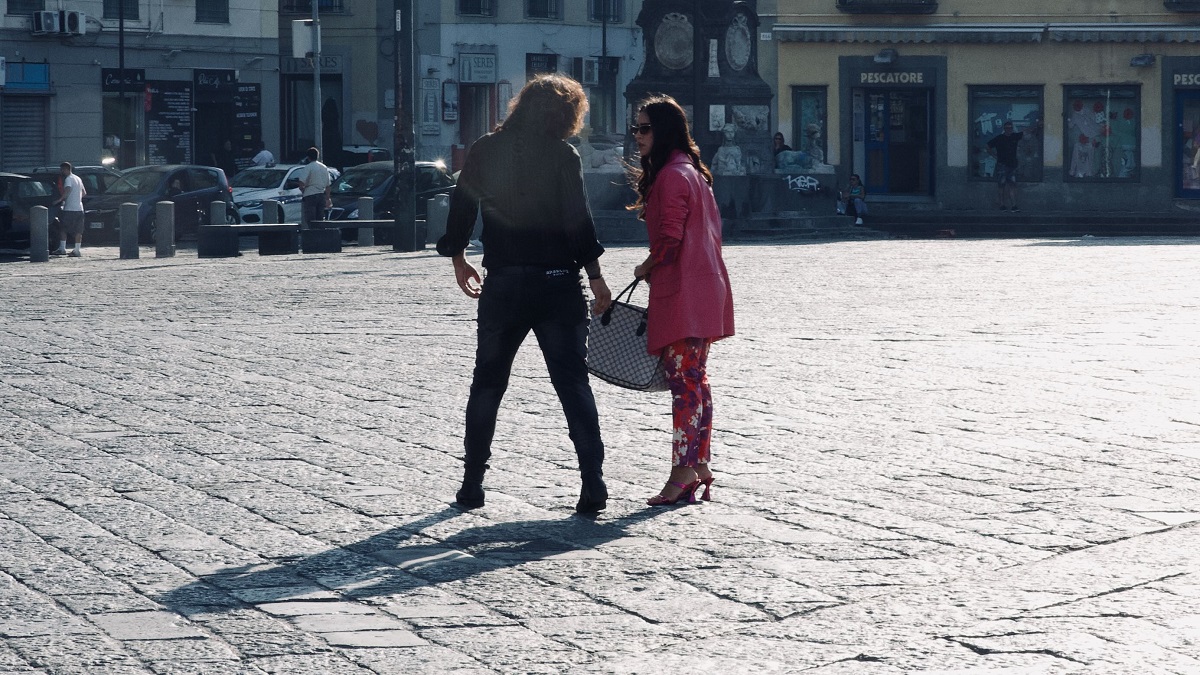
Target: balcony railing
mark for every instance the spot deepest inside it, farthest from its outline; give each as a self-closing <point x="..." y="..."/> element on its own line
<point x="1182" y="5"/>
<point x="305" y="6"/>
<point x="887" y="6"/>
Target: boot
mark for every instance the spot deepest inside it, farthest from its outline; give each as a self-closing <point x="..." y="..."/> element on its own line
<point x="470" y="495"/>
<point x="593" y="496"/>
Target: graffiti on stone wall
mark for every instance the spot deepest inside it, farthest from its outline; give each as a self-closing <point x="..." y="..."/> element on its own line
<point x="804" y="184"/>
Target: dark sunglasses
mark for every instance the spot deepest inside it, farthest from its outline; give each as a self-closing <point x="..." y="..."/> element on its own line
<point x="639" y="129"/>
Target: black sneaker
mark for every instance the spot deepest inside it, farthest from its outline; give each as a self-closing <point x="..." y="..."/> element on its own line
<point x="593" y="496"/>
<point x="59" y="251"/>
<point x="1015" y="209"/>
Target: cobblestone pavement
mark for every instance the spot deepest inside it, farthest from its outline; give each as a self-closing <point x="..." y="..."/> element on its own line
<point x="931" y="456"/>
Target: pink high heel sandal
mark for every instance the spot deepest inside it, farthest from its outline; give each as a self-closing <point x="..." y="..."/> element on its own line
<point x="685" y="490"/>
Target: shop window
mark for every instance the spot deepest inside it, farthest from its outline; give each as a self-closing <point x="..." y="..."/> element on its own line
<point x="212" y="11"/>
<point x="1101" y="133"/>
<point x="26" y="7"/>
<point x="808" y="122"/>
<point x="112" y="9"/>
<point x="305" y="7"/>
<point x="542" y="9"/>
<point x="612" y="11"/>
<point x="477" y="7"/>
<point x="990" y="108"/>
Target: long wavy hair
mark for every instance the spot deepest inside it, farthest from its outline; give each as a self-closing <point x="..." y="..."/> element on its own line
<point x="669" y="125"/>
<point x="552" y="104"/>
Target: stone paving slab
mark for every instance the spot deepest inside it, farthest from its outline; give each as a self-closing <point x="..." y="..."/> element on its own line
<point x="945" y="456"/>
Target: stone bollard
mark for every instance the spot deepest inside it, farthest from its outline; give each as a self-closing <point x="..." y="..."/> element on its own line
<point x="366" y="211"/>
<point x="216" y="213"/>
<point x="39" y="234"/>
<point x="128" y="231"/>
<point x="164" y="230"/>
<point x="270" y="211"/>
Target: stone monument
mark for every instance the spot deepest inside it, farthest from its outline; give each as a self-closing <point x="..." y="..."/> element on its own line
<point x="704" y="54"/>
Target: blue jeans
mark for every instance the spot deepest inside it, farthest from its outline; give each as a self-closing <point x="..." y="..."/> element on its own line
<point x="514" y="302"/>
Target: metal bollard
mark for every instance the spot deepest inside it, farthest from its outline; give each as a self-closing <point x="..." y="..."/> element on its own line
<point x="270" y="211"/>
<point x="216" y="213"/>
<point x="128" y="231"/>
<point x="366" y="211"/>
<point x="164" y="230"/>
<point x="39" y="234"/>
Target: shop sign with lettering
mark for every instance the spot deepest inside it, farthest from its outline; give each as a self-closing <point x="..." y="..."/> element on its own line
<point x="477" y="68"/>
<point x="1187" y="79"/>
<point x="892" y="78"/>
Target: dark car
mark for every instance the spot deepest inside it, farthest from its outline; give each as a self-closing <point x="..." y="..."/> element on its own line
<point x="192" y="188"/>
<point x="377" y="180"/>
<point x="19" y="194"/>
<point x="96" y="178"/>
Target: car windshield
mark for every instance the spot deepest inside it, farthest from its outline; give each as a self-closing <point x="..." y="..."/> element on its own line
<point x="258" y="178"/>
<point x="136" y="183"/>
<point x="360" y="181"/>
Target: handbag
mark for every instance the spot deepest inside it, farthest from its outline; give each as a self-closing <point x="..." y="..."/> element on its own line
<point x="616" y="346"/>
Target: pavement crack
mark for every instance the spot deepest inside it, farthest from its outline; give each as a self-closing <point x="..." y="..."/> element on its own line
<point x="985" y="651"/>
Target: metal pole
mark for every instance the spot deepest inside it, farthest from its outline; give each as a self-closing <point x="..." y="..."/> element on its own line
<point x="318" y="131"/>
<point x="405" y="225"/>
<point x="122" y="134"/>
<point x="602" y="69"/>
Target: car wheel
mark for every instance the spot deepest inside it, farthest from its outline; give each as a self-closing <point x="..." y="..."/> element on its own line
<point x="232" y="217"/>
<point x="281" y="217"/>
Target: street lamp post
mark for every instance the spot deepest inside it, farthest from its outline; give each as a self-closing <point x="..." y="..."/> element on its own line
<point x="404" y="158"/>
<point x="318" y="130"/>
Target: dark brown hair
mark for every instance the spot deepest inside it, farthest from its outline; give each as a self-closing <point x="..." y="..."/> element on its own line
<point x="553" y="103"/>
<point x="669" y="125"/>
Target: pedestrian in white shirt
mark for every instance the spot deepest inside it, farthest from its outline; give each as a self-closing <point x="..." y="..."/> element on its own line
<point x="264" y="156"/>
<point x="70" y="195"/>
<point x="315" y="186"/>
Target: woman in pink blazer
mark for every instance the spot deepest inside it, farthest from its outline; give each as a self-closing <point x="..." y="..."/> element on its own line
<point x="691" y="303"/>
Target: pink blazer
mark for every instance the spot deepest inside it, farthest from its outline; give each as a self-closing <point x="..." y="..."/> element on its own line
<point x="690" y="296"/>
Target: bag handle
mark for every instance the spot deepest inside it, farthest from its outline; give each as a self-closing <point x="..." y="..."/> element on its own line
<point x="628" y="293"/>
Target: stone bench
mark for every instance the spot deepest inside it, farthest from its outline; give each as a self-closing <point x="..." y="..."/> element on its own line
<point x="221" y="241"/>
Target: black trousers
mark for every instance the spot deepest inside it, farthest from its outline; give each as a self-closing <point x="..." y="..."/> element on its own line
<point x="514" y="302"/>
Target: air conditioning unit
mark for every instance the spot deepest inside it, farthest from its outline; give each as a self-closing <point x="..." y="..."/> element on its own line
<point x="72" y="23"/>
<point x="45" y="23"/>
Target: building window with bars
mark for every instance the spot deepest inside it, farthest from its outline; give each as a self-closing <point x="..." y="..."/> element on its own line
<point x="612" y="11"/>
<point x="542" y="9"/>
<point x="212" y="11"/>
<point x="477" y="7"/>
<point x="112" y="9"/>
<point x="17" y="7"/>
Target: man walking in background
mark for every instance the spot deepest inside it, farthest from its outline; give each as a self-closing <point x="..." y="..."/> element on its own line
<point x="315" y="184"/>
<point x="1004" y="149"/>
<point x="70" y="195"/>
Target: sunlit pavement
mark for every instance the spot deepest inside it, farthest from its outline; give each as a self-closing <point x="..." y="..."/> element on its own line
<point x="931" y="456"/>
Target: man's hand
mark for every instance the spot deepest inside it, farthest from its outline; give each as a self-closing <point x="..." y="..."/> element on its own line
<point x="602" y="294"/>
<point x="467" y="276"/>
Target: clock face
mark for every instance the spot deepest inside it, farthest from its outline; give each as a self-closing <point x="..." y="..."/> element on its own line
<point x="673" y="41"/>
<point x="737" y="43"/>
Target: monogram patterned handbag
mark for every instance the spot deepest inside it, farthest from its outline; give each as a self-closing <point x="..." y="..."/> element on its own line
<point x="617" y="346"/>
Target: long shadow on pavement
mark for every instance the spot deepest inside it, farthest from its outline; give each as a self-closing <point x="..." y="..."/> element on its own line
<point x="401" y="559"/>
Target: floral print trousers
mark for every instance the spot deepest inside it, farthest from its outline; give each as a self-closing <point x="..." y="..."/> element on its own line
<point x="686" y="364"/>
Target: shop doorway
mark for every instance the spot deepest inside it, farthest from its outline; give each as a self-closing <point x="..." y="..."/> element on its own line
<point x="1187" y="143"/>
<point x="477" y="113"/>
<point x="893" y="144"/>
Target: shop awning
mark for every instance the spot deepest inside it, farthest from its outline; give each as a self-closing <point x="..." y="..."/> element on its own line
<point x="942" y="33"/>
<point x="990" y="33"/>
<point x="1129" y="32"/>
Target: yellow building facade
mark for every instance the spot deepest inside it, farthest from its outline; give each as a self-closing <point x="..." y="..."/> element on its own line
<point x="909" y="94"/>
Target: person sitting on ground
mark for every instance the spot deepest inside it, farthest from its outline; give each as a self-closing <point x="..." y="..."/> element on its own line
<point x="853" y="200"/>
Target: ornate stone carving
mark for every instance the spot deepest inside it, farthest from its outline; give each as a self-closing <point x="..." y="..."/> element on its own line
<point x="673" y="41"/>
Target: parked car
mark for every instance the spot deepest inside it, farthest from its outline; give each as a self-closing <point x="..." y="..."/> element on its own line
<point x="19" y="194"/>
<point x="192" y="188"/>
<point x="254" y="185"/>
<point x="96" y="178"/>
<point x="378" y="181"/>
<point x="353" y="155"/>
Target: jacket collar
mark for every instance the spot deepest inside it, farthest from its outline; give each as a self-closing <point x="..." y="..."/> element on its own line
<point x="678" y="157"/>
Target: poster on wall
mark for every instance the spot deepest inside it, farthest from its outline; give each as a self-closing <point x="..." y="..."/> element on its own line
<point x="429" y="106"/>
<point x="168" y="122"/>
<point x="449" y="101"/>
